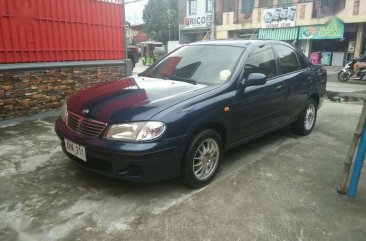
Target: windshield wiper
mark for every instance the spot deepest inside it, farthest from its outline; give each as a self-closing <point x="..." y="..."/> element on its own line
<point x="156" y="76"/>
<point x="171" y="77"/>
<point x="177" y="78"/>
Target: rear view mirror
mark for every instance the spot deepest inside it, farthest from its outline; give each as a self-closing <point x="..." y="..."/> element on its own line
<point x="255" y="79"/>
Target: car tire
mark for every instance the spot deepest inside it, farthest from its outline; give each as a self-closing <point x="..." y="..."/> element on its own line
<point x="306" y="121"/>
<point x="203" y="158"/>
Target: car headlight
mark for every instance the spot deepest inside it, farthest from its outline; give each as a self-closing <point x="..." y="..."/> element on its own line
<point x="136" y="131"/>
<point x="63" y="113"/>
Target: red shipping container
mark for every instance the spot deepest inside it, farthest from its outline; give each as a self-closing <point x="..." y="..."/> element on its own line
<point x="61" y="30"/>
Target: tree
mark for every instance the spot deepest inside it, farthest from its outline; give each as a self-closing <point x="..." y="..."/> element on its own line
<point x="160" y="17"/>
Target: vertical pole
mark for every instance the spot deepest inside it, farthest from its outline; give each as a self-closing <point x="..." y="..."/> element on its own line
<point x="128" y="62"/>
<point x="169" y="26"/>
<point x="358" y="166"/>
<point x="359" y="38"/>
<point x="124" y="27"/>
<point x="169" y="23"/>
<point x="351" y="151"/>
<point x="213" y="25"/>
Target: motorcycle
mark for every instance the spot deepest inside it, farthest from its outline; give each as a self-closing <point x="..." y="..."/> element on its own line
<point x="345" y="74"/>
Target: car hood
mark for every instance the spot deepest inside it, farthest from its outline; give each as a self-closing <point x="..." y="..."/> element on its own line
<point x="131" y="99"/>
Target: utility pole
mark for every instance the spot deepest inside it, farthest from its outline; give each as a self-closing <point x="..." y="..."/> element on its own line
<point x="124" y="26"/>
<point x="169" y="24"/>
<point x="213" y="24"/>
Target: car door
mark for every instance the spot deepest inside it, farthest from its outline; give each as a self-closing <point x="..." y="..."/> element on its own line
<point x="258" y="108"/>
<point x="297" y="77"/>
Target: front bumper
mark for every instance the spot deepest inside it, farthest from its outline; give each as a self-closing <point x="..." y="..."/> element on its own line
<point x="321" y="101"/>
<point x="138" y="162"/>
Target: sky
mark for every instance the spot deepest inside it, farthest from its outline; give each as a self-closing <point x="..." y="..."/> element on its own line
<point x="134" y="11"/>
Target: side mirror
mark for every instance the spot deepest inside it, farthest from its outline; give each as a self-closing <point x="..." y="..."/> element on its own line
<point x="254" y="79"/>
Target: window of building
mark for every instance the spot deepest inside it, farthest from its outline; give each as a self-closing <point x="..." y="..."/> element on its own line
<point x="284" y="2"/>
<point x="265" y="3"/>
<point x="192" y="7"/>
<point x="288" y="58"/>
<point x="228" y="5"/>
<point x="261" y="60"/>
<point x="209" y="5"/>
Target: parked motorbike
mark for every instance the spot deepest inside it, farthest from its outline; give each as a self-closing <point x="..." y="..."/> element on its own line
<point x="345" y="74"/>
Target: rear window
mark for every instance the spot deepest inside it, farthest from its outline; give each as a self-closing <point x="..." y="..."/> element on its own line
<point x="302" y="61"/>
<point x="288" y="58"/>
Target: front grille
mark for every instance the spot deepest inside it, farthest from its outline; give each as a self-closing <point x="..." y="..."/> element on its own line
<point x="86" y="127"/>
<point x="104" y="164"/>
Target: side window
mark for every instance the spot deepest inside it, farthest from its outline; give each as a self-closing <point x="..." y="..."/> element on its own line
<point x="288" y="58"/>
<point x="261" y="60"/>
<point x="302" y="61"/>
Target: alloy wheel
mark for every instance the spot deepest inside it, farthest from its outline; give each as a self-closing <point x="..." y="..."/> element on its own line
<point x="309" y="117"/>
<point x="206" y="159"/>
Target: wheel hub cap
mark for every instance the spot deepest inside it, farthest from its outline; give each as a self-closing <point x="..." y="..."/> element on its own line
<point x="309" y="117"/>
<point x="206" y="159"/>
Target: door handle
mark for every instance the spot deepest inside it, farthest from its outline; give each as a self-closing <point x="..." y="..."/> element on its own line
<point x="279" y="88"/>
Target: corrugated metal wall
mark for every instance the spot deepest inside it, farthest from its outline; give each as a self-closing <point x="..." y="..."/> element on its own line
<point x="60" y="30"/>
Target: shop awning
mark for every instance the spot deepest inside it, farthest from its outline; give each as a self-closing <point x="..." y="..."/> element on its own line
<point x="278" y="33"/>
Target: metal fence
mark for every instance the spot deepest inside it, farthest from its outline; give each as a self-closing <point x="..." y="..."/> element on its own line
<point x="61" y="30"/>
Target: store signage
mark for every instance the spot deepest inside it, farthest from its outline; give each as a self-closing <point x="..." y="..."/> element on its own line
<point x="334" y="29"/>
<point x="284" y="17"/>
<point x="198" y="21"/>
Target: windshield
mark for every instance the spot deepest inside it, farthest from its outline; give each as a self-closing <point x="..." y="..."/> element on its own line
<point x="198" y="64"/>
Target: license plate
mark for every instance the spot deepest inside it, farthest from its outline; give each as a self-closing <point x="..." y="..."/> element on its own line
<point x="75" y="149"/>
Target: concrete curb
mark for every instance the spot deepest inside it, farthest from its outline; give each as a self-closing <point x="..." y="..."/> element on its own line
<point x="16" y="121"/>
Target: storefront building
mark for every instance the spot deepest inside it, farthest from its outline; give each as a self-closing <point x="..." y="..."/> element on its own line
<point x="328" y="45"/>
<point x="196" y="24"/>
<point x="329" y="32"/>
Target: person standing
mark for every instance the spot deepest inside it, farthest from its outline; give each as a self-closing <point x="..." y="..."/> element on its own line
<point x="361" y="63"/>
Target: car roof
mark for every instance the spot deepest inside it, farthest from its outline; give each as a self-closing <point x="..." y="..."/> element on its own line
<point x="151" y="42"/>
<point x="238" y="43"/>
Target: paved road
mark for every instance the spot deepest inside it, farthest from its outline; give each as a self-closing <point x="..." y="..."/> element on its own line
<point x="349" y="86"/>
<point x="280" y="187"/>
<point x="139" y="68"/>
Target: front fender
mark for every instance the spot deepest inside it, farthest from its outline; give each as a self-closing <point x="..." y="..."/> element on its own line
<point x="197" y="113"/>
<point x="220" y="124"/>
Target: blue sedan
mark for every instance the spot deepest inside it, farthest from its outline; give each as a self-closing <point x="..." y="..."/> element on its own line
<point x="179" y="116"/>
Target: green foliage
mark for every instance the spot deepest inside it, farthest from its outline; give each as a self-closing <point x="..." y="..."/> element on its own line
<point x="158" y="15"/>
